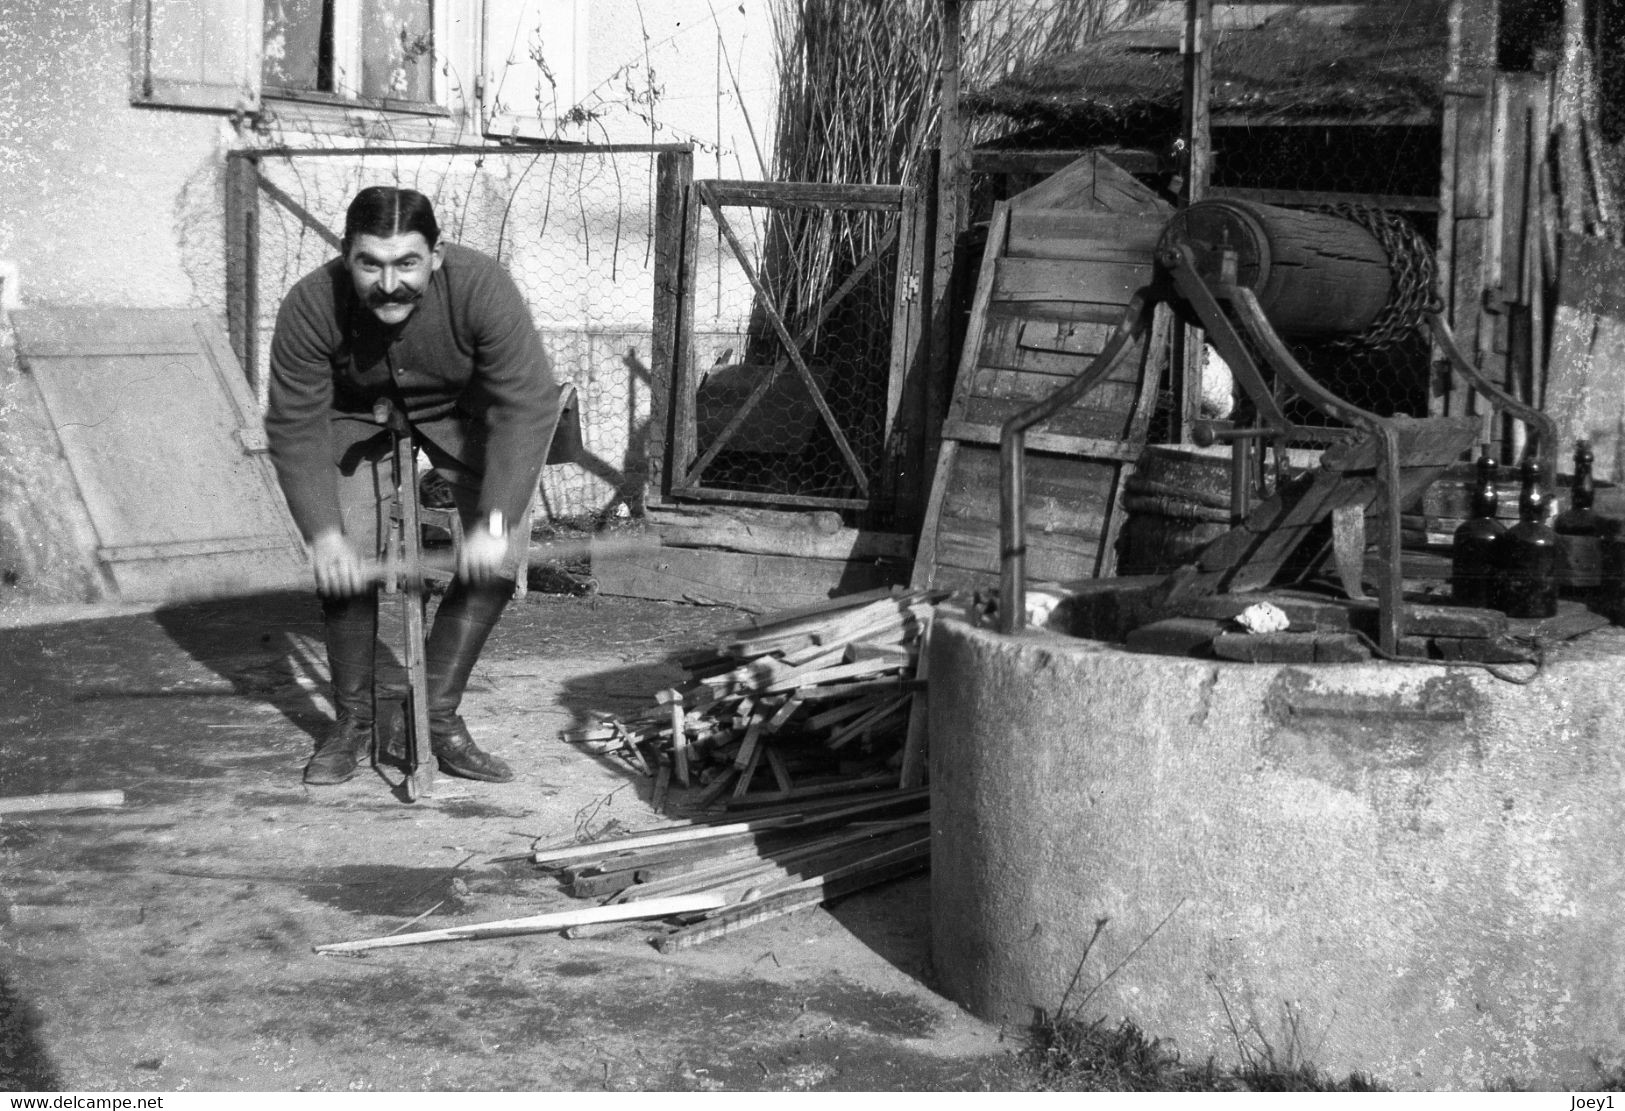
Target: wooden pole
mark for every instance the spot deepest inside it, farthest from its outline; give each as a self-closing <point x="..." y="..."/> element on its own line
<point x="538" y="923"/>
<point x="1196" y="135"/>
<point x="1465" y="201"/>
<point x="674" y="172"/>
<point x="950" y="205"/>
<point x="67" y="800"/>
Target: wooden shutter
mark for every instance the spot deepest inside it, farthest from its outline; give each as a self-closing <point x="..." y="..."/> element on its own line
<point x="201" y="54"/>
<point x="167" y="450"/>
<point x="520" y="96"/>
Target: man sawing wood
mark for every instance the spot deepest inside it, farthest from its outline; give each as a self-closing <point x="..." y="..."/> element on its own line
<point x="441" y="332"/>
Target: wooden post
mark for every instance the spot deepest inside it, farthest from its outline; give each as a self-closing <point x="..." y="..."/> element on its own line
<point x="1465" y="201"/>
<point x="674" y="172"/>
<point x="1198" y="63"/>
<point x="684" y="376"/>
<point x="906" y="419"/>
<point x="242" y="266"/>
<point x="951" y="204"/>
<point x="1196" y="134"/>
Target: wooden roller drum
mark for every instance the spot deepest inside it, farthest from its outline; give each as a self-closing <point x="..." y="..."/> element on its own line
<point x="1316" y="276"/>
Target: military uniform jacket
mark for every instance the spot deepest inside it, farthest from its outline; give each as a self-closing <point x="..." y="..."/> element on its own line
<point x="467" y="368"/>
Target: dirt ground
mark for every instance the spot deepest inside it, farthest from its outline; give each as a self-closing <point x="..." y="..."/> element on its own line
<point x="167" y="945"/>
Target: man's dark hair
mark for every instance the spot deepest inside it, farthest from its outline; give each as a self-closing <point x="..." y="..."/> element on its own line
<point x="384" y="210"/>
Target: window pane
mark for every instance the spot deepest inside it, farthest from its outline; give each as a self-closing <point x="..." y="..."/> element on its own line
<point x="297" y="42"/>
<point x="397" y="49"/>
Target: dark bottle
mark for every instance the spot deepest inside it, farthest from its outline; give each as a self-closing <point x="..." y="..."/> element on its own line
<point x="1526" y="555"/>
<point x="1579" y="548"/>
<point x="1472" y="551"/>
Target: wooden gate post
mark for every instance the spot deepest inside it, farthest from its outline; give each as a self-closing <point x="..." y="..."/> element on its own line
<point x="674" y="173"/>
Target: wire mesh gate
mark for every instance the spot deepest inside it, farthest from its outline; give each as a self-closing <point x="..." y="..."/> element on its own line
<point x="574" y="225"/>
<point x="789" y="376"/>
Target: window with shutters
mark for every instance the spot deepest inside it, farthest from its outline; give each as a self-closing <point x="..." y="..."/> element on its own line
<point x="379" y="52"/>
<point x="507" y="68"/>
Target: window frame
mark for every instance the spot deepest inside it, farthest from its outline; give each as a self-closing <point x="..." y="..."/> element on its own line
<point x="208" y="55"/>
<point x="348" y="60"/>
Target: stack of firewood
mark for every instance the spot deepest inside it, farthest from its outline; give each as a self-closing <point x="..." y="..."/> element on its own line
<point x="801" y="703"/>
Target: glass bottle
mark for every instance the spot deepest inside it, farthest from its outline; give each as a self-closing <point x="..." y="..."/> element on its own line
<point x="1472" y="559"/>
<point x="1526" y="555"/>
<point x="1579" y="550"/>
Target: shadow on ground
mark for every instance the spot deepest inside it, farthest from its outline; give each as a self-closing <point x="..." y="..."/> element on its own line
<point x="171" y="939"/>
<point x="24" y="1064"/>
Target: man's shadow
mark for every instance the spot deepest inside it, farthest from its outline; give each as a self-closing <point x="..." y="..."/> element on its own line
<point x="24" y="1064"/>
<point x="271" y="649"/>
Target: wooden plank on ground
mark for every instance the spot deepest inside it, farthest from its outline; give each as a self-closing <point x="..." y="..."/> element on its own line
<point x="758" y="582"/>
<point x="741" y="536"/>
<point x="61" y="800"/>
<point x="537" y="923"/>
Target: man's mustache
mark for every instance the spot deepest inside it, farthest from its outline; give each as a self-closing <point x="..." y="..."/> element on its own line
<point x="401" y="296"/>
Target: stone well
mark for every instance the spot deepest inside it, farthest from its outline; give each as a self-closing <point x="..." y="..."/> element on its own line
<point x="1415" y="872"/>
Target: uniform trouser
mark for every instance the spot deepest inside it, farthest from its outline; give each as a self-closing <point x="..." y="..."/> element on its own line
<point x="364" y="638"/>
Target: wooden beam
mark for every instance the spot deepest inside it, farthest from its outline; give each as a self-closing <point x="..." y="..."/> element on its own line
<point x="1319" y="199"/>
<point x="66" y="800"/>
<point x="538" y="923"/>
<point x="701" y="831"/>
<point x="973" y="433"/>
<point x="949" y="214"/>
<point x="719" y="531"/>
<point x="1198" y="65"/>
<point x="800" y="194"/>
<point x="809" y="893"/>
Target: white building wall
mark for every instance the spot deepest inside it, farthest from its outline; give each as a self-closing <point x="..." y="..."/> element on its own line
<point x="109" y="204"/>
<point x="99" y="198"/>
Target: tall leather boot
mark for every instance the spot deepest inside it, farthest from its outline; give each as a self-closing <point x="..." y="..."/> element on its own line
<point x="461" y="625"/>
<point x="351" y="628"/>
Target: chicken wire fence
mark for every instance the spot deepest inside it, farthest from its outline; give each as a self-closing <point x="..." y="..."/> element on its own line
<point x="574" y="227"/>
<point x="791" y="316"/>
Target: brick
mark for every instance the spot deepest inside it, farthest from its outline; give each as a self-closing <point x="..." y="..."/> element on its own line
<point x="1497" y="650"/>
<point x="1175" y="636"/>
<point x="1340" y="648"/>
<point x="1291" y="648"/>
<point x="1306" y="614"/>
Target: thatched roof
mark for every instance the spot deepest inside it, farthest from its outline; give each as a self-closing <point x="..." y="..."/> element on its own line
<point x="1378" y="61"/>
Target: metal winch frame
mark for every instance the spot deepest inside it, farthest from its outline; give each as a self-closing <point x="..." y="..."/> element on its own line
<point x="1200" y="281"/>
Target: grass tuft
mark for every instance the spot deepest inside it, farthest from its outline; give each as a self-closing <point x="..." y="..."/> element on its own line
<point x="1068" y="1054"/>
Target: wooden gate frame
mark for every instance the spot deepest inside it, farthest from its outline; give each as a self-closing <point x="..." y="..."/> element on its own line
<point x="686" y="463"/>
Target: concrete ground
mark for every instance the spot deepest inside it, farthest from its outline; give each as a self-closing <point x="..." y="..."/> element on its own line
<point x="167" y="945"/>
